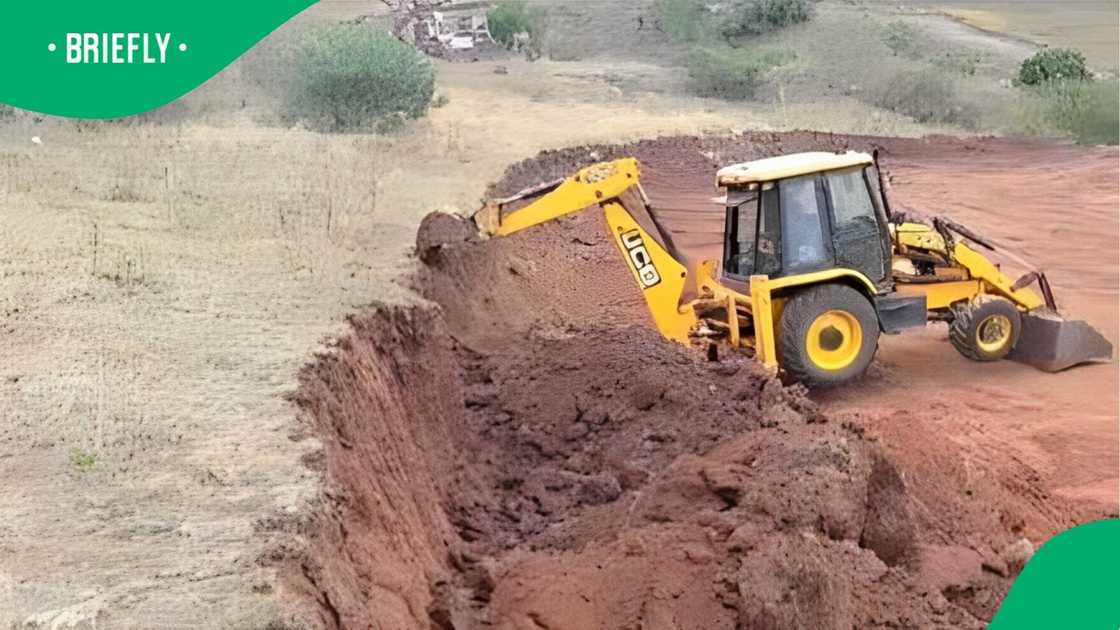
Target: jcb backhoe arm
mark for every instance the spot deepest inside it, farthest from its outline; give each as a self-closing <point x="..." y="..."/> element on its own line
<point x="592" y="185"/>
<point x="647" y="248"/>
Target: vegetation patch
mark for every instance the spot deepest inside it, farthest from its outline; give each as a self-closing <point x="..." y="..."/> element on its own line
<point x="754" y="17"/>
<point x="900" y="38"/>
<point x="927" y="95"/>
<point x="1059" y="97"/>
<point x="696" y="20"/>
<point x="1053" y="64"/>
<point x="963" y="62"/>
<point x="731" y="73"/>
<point x="684" y="20"/>
<point x="1086" y="111"/>
<point x="82" y="460"/>
<point x="348" y="77"/>
<point x="508" y="18"/>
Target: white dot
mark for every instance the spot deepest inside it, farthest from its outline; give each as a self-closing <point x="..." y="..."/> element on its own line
<point x="51" y="47"/>
<point x="182" y="48"/>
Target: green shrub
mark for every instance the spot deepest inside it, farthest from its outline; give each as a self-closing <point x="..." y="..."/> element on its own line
<point x="1089" y="112"/>
<point x="899" y="37"/>
<point x="730" y="73"/>
<point x="683" y="20"/>
<point x="509" y="18"/>
<point x="927" y="96"/>
<point x="1053" y="64"/>
<point x="752" y="17"/>
<point x="349" y="77"/>
<point x="6" y="111"/>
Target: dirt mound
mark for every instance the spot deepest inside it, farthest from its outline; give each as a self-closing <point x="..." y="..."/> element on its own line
<point x="674" y="157"/>
<point x="534" y="455"/>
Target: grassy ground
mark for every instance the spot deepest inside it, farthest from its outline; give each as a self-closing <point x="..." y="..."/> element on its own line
<point x="1091" y="26"/>
<point x="162" y="280"/>
<point x="864" y="67"/>
<point x="837" y="65"/>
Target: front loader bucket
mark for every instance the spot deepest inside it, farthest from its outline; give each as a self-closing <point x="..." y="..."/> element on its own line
<point x="1052" y="344"/>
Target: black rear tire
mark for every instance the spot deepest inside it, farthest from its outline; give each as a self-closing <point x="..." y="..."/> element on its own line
<point x="971" y="329"/>
<point x="804" y="309"/>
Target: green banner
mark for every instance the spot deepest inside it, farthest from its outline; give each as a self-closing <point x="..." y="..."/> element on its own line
<point x="88" y="59"/>
<point x="1073" y="581"/>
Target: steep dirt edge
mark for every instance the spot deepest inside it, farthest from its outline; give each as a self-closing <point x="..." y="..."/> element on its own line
<point x="380" y="403"/>
<point x="533" y="455"/>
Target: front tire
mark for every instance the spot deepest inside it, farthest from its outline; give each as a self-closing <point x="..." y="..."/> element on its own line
<point x="828" y="334"/>
<point x="985" y="330"/>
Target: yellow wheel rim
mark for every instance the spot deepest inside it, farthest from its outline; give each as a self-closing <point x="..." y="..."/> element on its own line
<point x="993" y="333"/>
<point x="834" y="340"/>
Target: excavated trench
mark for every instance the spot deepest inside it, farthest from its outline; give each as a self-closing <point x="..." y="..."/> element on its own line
<point x="529" y="453"/>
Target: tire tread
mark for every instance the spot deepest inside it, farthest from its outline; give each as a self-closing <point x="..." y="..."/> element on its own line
<point x="962" y="330"/>
<point x="800" y="312"/>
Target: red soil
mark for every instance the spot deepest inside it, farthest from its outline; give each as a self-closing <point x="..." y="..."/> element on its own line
<point x="533" y="455"/>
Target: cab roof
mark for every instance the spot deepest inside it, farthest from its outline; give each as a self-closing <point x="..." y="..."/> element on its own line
<point x="792" y="165"/>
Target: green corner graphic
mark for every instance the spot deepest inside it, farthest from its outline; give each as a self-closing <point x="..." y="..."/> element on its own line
<point x="111" y="59"/>
<point x="1073" y="581"/>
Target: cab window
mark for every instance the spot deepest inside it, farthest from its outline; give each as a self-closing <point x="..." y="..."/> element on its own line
<point x="768" y="257"/>
<point x="851" y="202"/>
<point x="803" y="244"/>
<point x="742" y="220"/>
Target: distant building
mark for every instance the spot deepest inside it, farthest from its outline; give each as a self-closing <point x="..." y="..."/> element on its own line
<point x="460" y="25"/>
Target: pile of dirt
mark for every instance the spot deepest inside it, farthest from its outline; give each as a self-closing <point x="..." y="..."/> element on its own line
<point x="529" y="453"/>
<point x="679" y="157"/>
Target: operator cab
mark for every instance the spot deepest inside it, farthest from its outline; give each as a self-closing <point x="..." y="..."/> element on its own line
<point x="802" y="213"/>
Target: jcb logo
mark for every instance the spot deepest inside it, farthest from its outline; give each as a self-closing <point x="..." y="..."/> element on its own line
<point x="639" y="258"/>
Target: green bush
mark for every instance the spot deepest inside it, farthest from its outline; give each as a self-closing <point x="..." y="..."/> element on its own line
<point x="1053" y="64"/>
<point x="6" y="111"/>
<point x="509" y="18"/>
<point x="683" y="20"/>
<point x="899" y="37"/>
<point x="927" y="96"/>
<point x="1089" y="112"/>
<point x="752" y="17"/>
<point x="349" y="77"/>
<point x="730" y="73"/>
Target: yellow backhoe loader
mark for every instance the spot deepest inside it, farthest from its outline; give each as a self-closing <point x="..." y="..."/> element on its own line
<point x="815" y="266"/>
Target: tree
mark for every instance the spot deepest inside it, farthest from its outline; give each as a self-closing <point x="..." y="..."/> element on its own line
<point x="1053" y="64"/>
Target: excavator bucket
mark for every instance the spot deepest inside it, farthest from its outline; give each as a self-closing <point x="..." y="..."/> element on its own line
<point x="1052" y="344"/>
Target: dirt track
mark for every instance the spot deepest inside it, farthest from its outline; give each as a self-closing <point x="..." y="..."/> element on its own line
<point x="533" y="455"/>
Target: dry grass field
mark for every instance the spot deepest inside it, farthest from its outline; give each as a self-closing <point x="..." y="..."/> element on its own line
<point x="162" y="281"/>
<point x="1088" y="25"/>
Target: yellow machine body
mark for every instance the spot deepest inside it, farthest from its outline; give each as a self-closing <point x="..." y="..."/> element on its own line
<point x="663" y="278"/>
<point x="981" y="275"/>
